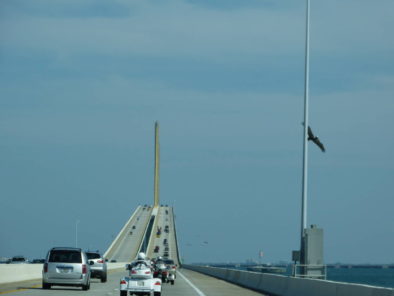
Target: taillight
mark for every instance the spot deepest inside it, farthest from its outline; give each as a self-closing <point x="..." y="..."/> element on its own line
<point x="100" y="261"/>
<point x="157" y="284"/>
<point x="133" y="272"/>
<point x="173" y="267"/>
<point x="123" y="282"/>
<point x="84" y="269"/>
<point x="45" y="267"/>
<point x="147" y="272"/>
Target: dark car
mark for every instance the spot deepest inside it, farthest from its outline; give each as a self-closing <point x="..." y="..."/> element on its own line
<point x="18" y="260"/>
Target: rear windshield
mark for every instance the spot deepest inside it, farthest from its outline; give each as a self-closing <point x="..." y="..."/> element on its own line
<point x="169" y="261"/>
<point x="65" y="256"/>
<point x="93" y="255"/>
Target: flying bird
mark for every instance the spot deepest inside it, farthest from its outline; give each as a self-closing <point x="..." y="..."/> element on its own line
<point x="314" y="139"/>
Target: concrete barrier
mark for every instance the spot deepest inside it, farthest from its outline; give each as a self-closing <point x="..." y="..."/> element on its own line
<point x="19" y="272"/>
<point x="10" y="273"/>
<point x="279" y="285"/>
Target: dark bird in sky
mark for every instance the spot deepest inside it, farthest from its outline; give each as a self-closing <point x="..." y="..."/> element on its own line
<point x="314" y="139"/>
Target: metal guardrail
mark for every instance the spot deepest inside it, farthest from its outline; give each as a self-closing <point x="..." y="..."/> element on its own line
<point x="309" y="271"/>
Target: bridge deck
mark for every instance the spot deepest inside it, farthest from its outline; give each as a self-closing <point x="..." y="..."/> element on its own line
<point x="130" y="241"/>
<point x="188" y="283"/>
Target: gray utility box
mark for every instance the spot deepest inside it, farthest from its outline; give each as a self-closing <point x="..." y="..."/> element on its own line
<point x="313" y="252"/>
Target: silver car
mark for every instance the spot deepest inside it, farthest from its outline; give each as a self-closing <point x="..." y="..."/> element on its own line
<point x="98" y="266"/>
<point x="66" y="267"/>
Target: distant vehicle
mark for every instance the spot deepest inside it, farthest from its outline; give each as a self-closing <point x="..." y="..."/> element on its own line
<point x="99" y="267"/>
<point x="18" y="260"/>
<point x="113" y="261"/>
<point x="66" y="267"/>
<point x="133" y="227"/>
<point x="165" y="241"/>
<point x="160" y="270"/>
<point x="38" y="261"/>
<point x="166" y="249"/>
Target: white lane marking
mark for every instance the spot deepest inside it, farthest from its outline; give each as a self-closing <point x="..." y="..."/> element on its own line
<point x="191" y="284"/>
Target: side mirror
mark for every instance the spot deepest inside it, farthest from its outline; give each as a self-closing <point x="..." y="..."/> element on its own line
<point x="128" y="266"/>
<point x="91" y="262"/>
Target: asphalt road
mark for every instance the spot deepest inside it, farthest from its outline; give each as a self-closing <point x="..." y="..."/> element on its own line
<point x="187" y="283"/>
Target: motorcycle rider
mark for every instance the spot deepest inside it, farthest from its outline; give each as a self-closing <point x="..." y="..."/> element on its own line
<point x="141" y="260"/>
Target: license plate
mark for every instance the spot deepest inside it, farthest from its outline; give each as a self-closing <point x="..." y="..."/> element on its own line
<point x="141" y="283"/>
<point x="65" y="270"/>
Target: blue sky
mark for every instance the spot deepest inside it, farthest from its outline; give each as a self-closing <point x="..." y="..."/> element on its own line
<point x="82" y="83"/>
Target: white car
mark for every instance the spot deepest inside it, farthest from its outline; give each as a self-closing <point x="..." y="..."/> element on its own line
<point x="140" y="280"/>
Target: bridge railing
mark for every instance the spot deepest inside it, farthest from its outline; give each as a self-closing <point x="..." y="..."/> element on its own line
<point x="176" y="238"/>
<point x="280" y="285"/>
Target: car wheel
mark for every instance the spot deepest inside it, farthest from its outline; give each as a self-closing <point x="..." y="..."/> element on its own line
<point x="86" y="287"/>
<point x="172" y="282"/>
<point x="123" y="293"/>
<point x="157" y="294"/>
<point x="46" y="286"/>
<point x="103" y="278"/>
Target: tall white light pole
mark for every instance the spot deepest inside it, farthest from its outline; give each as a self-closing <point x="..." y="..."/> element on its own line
<point x="157" y="166"/>
<point x="76" y="233"/>
<point x="306" y="124"/>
